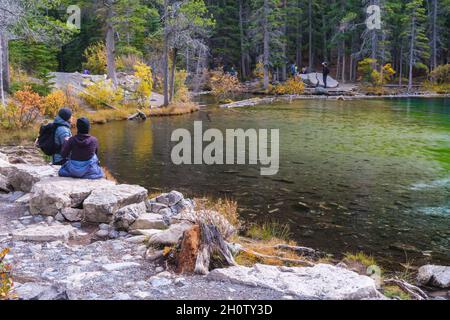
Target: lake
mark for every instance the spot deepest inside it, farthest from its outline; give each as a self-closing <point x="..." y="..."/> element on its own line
<point x="359" y="175"/>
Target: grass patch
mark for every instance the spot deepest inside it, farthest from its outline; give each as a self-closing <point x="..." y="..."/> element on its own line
<point x="226" y="207"/>
<point x="18" y="137"/>
<point x="394" y="292"/>
<point x="174" y="109"/>
<point x="360" y="257"/>
<point x="269" y="230"/>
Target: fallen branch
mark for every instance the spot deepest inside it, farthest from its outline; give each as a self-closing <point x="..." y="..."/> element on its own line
<point x="410" y="289"/>
<point x="264" y="256"/>
<point x="302" y="250"/>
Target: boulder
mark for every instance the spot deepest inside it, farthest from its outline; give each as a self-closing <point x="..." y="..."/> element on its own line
<point x="49" y="196"/>
<point x="4" y="157"/>
<point x="4" y="184"/>
<point x="44" y="233"/>
<point x="170" y="199"/>
<point x="154" y="207"/>
<point x="40" y="291"/>
<point x="170" y="236"/>
<point x="149" y="221"/>
<point x="120" y="266"/>
<point x="146" y="232"/>
<point x="435" y="276"/>
<point x="185" y="205"/>
<point x="23" y="176"/>
<point x="104" y="202"/>
<point x="72" y="214"/>
<point x="126" y="216"/>
<point x="322" y="282"/>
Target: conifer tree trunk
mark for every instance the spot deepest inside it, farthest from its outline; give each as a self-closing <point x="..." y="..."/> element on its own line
<point x="242" y="34"/>
<point x="310" y="58"/>
<point x="411" y="53"/>
<point x="266" y="44"/>
<point x="110" y="45"/>
<point x="166" y="54"/>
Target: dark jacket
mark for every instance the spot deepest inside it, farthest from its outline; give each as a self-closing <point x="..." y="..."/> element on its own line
<point x="325" y="71"/>
<point x="61" y="133"/>
<point x="81" y="147"/>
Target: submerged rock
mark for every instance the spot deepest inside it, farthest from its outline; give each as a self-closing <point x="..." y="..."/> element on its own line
<point x="435" y="276"/>
<point x="322" y="281"/>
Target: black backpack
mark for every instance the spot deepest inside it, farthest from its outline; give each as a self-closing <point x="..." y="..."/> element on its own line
<point x="46" y="139"/>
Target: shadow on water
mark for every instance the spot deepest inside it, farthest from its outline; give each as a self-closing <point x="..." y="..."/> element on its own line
<point x="370" y="175"/>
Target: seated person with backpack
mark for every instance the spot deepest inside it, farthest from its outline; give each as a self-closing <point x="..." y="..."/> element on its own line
<point x="57" y="132"/>
<point x="81" y="152"/>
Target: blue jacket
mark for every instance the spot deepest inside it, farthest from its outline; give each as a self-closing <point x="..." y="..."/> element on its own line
<point x="89" y="169"/>
<point x="61" y="133"/>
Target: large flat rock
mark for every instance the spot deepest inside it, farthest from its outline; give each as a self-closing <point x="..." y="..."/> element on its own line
<point x="22" y="177"/>
<point x="104" y="202"/>
<point x="44" y="233"/>
<point x="51" y="195"/>
<point x="322" y="281"/>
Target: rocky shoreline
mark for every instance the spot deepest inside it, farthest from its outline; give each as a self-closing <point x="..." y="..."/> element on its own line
<point x="78" y="239"/>
<point x="322" y="95"/>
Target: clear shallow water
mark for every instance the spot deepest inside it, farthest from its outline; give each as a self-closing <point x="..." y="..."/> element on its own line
<point x="374" y="174"/>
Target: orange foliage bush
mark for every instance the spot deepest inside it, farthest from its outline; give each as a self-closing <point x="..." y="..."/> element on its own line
<point x="6" y="282"/>
<point x="23" y="110"/>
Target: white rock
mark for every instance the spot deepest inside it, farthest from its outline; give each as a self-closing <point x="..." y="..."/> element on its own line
<point x="25" y="199"/>
<point x="433" y="275"/>
<point x="170" y="236"/>
<point x="4" y="184"/>
<point x="149" y="221"/>
<point x="146" y="232"/>
<point x="43" y="233"/>
<point x="154" y="207"/>
<point x="49" y="196"/>
<point x="102" y="233"/>
<point x="126" y="216"/>
<point x="322" y="281"/>
<point x="120" y="266"/>
<point x="4" y="157"/>
<point x="24" y="176"/>
<point x="159" y="281"/>
<point x="77" y="280"/>
<point x="136" y="239"/>
<point x="170" y="199"/>
<point x="72" y="214"/>
<point x="103" y="203"/>
<point x="40" y="291"/>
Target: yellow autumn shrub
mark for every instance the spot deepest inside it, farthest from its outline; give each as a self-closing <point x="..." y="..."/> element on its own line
<point x="224" y="85"/>
<point x="144" y="89"/>
<point x="102" y="94"/>
<point x="290" y="86"/>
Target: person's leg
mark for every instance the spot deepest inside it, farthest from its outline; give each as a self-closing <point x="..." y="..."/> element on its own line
<point x="324" y="81"/>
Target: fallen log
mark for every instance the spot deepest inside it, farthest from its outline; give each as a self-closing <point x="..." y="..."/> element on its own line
<point x="410" y="289"/>
<point x="299" y="249"/>
<point x="139" y="115"/>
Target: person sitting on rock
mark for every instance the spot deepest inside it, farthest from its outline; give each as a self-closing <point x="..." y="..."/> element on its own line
<point x="63" y="123"/>
<point x="81" y="151"/>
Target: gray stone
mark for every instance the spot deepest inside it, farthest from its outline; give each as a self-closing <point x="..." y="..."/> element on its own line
<point x="113" y="234"/>
<point x="126" y="216"/>
<point x="170" y="236"/>
<point x="4" y="184"/>
<point x="103" y="203"/>
<point x="38" y="291"/>
<point x="50" y="196"/>
<point x="154" y="207"/>
<point x="24" y="176"/>
<point x="136" y="239"/>
<point x="104" y="226"/>
<point x="59" y="217"/>
<point x="170" y="199"/>
<point x="102" y="233"/>
<point x="149" y="221"/>
<point x="25" y="199"/>
<point x="45" y="233"/>
<point x="4" y="157"/>
<point x="120" y="266"/>
<point x="433" y="275"/>
<point x="146" y="232"/>
<point x="183" y="206"/>
<point x="322" y="281"/>
<point x="72" y="214"/>
<point x="159" y="281"/>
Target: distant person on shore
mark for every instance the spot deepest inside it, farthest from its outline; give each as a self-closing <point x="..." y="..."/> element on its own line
<point x="325" y="72"/>
<point x="81" y="151"/>
<point x="293" y="70"/>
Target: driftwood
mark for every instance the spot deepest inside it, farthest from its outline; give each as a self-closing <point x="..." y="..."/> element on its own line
<point x="139" y="115"/>
<point x="264" y="256"/>
<point x="301" y="250"/>
<point x="410" y="289"/>
<point x="212" y="249"/>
